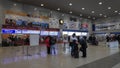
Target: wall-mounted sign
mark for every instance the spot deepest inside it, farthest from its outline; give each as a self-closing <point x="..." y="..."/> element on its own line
<point x="45" y="33"/>
<point x="30" y="32"/>
<point x="10" y="31"/>
<point x="54" y="33"/>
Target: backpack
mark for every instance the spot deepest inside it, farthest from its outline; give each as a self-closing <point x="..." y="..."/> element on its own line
<point x="53" y="41"/>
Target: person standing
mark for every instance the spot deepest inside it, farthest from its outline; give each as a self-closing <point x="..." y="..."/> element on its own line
<point x="72" y="39"/>
<point x="83" y="47"/>
<point x="52" y="45"/>
<point x="47" y="42"/>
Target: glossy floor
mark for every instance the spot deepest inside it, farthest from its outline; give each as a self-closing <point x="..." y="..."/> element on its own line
<point x="36" y="57"/>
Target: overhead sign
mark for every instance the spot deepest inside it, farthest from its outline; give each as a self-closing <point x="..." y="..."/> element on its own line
<point x="30" y="32"/>
<point x="11" y="31"/>
<point x="45" y="33"/>
<point x="54" y="33"/>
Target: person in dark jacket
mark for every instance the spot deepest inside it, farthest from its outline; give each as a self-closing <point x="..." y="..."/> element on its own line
<point x="52" y="45"/>
<point x="83" y="47"/>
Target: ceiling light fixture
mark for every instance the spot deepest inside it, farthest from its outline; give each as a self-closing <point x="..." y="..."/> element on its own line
<point x="50" y="11"/>
<point x="119" y="13"/>
<point x="63" y="14"/>
<point x="93" y="11"/>
<point x="94" y="18"/>
<point x="116" y="11"/>
<point x="89" y="17"/>
<point x="14" y="4"/>
<point x="100" y="3"/>
<point x="42" y="4"/>
<point x="100" y="14"/>
<point x="35" y="9"/>
<point x="109" y="7"/>
<point x="58" y="9"/>
<point x="83" y="8"/>
<point x="70" y="12"/>
<point x="80" y="14"/>
<point x="105" y="16"/>
<point x="70" y="4"/>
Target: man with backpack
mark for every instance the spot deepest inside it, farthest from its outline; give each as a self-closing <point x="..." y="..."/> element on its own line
<point x="52" y="45"/>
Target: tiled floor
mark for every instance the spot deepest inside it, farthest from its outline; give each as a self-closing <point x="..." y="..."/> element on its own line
<point x="36" y="57"/>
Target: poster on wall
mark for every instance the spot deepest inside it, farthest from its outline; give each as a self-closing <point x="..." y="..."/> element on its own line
<point x="73" y="25"/>
<point x="84" y="26"/>
<point x="34" y="39"/>
<point x="107" y="26"/>
<point x="54" y="23"/>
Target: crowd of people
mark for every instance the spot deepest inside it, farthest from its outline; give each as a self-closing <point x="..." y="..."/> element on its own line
<point x="74" y="42"/>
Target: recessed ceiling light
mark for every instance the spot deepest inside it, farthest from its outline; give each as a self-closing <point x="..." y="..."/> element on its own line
<point x="50" y="11"/>
<point x="89" y="17"/>
<point x="105" y="16"/>
<point x="70" y="4"/>
<point x="14" y="4"/>
<point x="119" y="13"/>
<point x="42" y="4"/>
<point x="100" y="14"/>
<point x="100" y="3"/>
<point x="116" y="11"/>
<point x="80" y="14"/>
<point x="35" y="9"/>
<point x="93" y="11"/>
<point x="109" y="7"/>
<point x="83" y="8"/>
<point x="58" y="9"/>
<point x="94" y="18"/>
<point x="70" y="11"/>
<point x="63" y="14"/>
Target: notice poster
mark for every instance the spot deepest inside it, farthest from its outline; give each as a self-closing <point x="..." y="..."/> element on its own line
<point x="34" y="39"/>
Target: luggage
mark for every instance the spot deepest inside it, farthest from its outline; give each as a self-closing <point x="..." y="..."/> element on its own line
<point x="76" y="52"/>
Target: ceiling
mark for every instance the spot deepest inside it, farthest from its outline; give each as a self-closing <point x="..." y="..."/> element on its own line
<point x="77" y="5"/>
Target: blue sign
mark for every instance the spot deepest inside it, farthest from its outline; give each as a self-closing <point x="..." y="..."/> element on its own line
<point x="10" y="31"/>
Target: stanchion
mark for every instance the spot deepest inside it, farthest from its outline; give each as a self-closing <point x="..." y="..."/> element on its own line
<point x="39" y="50"/>
<point x="27" y="51"/>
